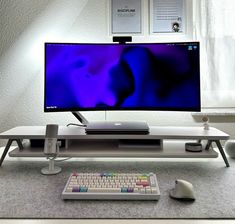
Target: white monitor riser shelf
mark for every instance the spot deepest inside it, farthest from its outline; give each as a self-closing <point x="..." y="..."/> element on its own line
<point x="161" y="142"/>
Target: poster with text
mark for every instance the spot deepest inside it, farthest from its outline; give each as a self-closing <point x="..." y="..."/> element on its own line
<point x="167" y="16"/>
<point x="126" y="16"/>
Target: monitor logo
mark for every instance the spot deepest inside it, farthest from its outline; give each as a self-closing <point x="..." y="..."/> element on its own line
<point x="117" y="124"/>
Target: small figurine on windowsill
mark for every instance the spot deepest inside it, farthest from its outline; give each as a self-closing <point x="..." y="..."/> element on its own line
<point x="205" y="119"/>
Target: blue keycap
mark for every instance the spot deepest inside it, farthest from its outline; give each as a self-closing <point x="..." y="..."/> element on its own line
<point x="83" y="189"/>
<point x="124" y="189"/>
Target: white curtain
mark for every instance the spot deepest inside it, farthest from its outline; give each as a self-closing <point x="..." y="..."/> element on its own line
<point x="214" y="27"/>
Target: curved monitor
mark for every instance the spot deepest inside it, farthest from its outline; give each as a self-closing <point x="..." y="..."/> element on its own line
<point x="136" y="76"/>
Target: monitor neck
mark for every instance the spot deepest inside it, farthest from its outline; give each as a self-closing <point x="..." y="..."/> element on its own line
<point x="80" y="117"/>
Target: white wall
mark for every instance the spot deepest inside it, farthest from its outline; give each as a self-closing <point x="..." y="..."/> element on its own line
<point x="25" y="25"/>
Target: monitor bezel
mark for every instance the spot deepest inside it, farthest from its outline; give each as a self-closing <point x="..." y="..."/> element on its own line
<point x="74" y="109"/>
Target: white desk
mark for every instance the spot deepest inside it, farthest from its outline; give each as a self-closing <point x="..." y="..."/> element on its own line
<point x="80" y="144"/>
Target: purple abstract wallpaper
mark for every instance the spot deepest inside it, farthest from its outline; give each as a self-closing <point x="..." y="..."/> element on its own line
<point x="114" y="76"/>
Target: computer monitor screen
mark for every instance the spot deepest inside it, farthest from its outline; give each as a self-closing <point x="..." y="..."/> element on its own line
<point x="136" y="76"/>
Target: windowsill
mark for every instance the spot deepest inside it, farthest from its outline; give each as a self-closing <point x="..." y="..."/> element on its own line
<point x="215" y="112"/>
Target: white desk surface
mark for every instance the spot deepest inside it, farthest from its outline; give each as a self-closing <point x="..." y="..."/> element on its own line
<point x="157" y="132"/>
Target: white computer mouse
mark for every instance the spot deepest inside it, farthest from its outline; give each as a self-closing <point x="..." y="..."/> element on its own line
<point x="183" y="190"/>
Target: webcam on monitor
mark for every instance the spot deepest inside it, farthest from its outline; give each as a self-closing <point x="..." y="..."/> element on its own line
<point x="122" y="39"/>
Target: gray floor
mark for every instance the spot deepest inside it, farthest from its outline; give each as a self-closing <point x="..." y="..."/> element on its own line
<point x="25" y="193"/>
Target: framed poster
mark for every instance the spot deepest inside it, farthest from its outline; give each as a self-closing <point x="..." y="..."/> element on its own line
<point x="126" y="16"/>
<point x="167" y="16"/>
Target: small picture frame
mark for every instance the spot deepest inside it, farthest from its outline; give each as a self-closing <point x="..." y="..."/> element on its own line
<point x="126" y="16"/>
<point x="167" y="16"/>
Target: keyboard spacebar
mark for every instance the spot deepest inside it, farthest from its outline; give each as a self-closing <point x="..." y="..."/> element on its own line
<point x="104" y="190"/>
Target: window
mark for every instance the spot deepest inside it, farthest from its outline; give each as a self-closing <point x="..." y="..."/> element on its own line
<point x="214" y="27"/>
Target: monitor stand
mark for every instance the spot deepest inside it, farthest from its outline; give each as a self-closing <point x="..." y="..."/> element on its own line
<point x="113" y="127"/>
<point x="80" y="117"/>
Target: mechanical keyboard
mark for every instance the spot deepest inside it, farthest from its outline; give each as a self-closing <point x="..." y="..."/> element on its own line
<point x="111" y="186"/>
